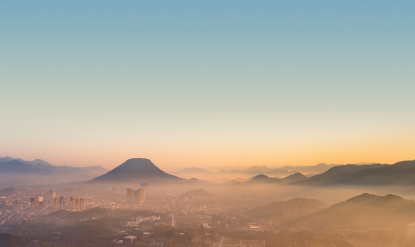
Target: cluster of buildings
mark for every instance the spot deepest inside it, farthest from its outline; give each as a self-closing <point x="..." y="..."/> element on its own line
<point x="138" y="220"/>
<point x="37" y="202"/>
<point x="410" y="232"/>
<point x="138" y="195"/>
<point x="75" y="204"/>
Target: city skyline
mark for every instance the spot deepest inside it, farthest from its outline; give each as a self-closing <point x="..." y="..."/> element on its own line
<point x="207" y="84"/>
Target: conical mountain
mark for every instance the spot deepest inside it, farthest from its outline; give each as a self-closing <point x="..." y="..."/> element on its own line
<point x="136" y="169"/>
<point x="295" y="177"/>
<point x="261" y="178"/>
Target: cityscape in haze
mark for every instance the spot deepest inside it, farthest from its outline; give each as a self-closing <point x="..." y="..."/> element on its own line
<point x="207" y="123"/>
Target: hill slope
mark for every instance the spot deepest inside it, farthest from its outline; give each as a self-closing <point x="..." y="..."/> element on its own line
<point x="284" y="210"/>
<point x="363" y="212"/>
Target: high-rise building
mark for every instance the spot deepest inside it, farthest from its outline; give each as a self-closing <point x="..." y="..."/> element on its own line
<point x="130" y="194"/>
<point x="34" y="203"/>
<point x="144" y="185"/>
<point x="37" y="202"/>
<point x="72" y="203"/>
<point x="77" y="205"/>
<point x="410" y="232"/>
<point x="140" y="195"/>
<point x="62" y="202"/>
<point x="82" y="204"/>
<point x="57" y="203"/>
<point x="137" y="195"/>
<point x="51" y="194"/>
<point x="41" y="200"/>
<point x="143" y="195"/>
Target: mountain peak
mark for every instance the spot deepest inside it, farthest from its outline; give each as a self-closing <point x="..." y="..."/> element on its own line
<point x="365" y="197"/>
<point x="136" y="165"/>
<point x="260" y="177"/>
<point x="295" y="177"/>
<point x="392" y="198"/>
<point x="134" y="169"/>
<point x="137" y="162"/>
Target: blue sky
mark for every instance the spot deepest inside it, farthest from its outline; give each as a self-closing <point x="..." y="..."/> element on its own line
<point x="207" y="83"/>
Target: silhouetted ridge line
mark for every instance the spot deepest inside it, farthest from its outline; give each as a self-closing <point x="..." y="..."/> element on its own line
<point x="401" y="173"/>
<point x="135" y="169"/>
<point x="363" y="212"/>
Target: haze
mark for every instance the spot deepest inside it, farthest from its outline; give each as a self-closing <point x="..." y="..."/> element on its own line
<point x="207" y="123"/>
<point x="207" y="84"/>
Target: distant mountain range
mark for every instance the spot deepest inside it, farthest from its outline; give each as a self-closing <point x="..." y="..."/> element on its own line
<point x="8" y="164"/>
<point x="316" y="169"/>
<point x="136" y="170"/>
<point x="400" y="173"/>
<point x="254" y="170"/>
<point x="264" y="179"/>
<point x="250" y="171"/>
<point x="16" y="171"/>
<point x="225" y="175"/>
<point x="195" y="170"/>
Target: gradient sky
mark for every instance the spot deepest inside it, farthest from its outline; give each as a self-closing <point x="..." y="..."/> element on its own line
<point x="207" y="83"/>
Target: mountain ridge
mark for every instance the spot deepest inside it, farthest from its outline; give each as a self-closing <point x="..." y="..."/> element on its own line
<point x="400" y="173"/>
<point x="16" y="171"/>
<point x="362" y="212"/>
<point x="39" y="163"/>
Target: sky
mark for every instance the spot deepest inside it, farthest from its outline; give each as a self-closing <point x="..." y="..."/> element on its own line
<point x="207" y="83"/>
